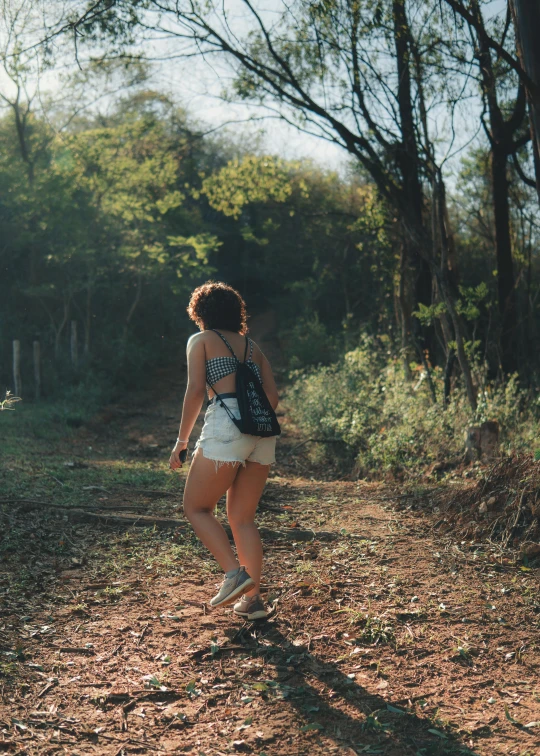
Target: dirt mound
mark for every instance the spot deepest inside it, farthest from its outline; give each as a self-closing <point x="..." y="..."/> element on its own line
<point x="503" y="506"/>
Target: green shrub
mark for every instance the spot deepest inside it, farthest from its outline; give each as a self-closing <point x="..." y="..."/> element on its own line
<point x="309" y="343"/>
<point x="389" y="425"/>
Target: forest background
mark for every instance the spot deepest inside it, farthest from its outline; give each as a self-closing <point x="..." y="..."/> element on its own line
<point x="404" y="283"/>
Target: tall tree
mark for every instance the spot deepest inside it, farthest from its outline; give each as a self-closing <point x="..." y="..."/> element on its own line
<point x="340" y="69"/>
<point x="408" y="159"/>
<point x="526" y="15"/>
<point x="525" y="61"/>
<point x="506" y="135"/>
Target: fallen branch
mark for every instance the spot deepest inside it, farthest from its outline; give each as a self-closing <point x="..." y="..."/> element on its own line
<point x="140" y="695"/>
<point x="147" y="492"/>
<point x="207" y="651"/>
<point x="76" y="514"/>
<point x="165" y="523"/>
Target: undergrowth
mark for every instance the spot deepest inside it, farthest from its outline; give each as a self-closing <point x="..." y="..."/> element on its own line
<point x="364" y="410"/>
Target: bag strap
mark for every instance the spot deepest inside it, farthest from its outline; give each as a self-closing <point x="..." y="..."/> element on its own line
<point x="231" y="350"/>
<point x="220" y="400"/>
<point x="222" y="337"/>
<point x="222" y="403"/>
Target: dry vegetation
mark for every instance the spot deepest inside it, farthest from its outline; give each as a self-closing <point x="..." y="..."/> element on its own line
<point x="500" y="506"/>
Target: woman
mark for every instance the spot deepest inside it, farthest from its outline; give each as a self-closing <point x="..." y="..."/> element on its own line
<point x="225" y="460"/>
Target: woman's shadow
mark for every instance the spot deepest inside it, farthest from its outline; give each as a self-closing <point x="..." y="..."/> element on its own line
<point x="372" y="724"/>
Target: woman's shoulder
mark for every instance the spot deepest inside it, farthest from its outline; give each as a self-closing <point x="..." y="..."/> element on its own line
<point x="202" y="341"/>
<point x="197" y="341"/>
<point x="201" y="337"/>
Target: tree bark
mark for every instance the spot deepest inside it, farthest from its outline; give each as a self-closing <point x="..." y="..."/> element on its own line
<point x="134" y="305"/>
<point x="460" y="348"/>
<point x="36" y="353"/>
<point x="526" y="15"/>
<point x="405" y="310"/>
<point x="501" y="135"/>
<point x="88" y="321"/>
<point x="60" y="329"/>
<point x="21" y="118"/>
<point x="410" y="169"/>
<point x="447" y="294"/>
<point x="450" y="360"/>
<point x="17" y="382"/>
<point x="74" y="345"/>
<point x="505" y="265"/>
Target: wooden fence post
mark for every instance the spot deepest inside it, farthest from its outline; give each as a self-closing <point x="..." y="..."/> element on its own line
<point x="37" y="369"/>
<point x="74" y="345"/>
<point x="17" y="368"/>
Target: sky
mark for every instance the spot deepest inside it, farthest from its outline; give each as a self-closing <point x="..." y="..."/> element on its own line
<point x="197" y="85"/>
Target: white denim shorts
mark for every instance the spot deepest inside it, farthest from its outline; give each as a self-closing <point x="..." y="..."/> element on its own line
<point x="221" y="441"/>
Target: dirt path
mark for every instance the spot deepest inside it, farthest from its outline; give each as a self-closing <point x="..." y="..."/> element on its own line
<point x="385" y="637"/>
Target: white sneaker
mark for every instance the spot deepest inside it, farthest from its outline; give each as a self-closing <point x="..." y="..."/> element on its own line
<point x="251" y="608"/>
<point x="233" y="587"/>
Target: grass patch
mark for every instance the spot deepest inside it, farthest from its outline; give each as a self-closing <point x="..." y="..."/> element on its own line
<point x="94" y="480"/>
<point x="153" y="551"/>
<point x="371" y="629"/>
<point x="55" y="419"/>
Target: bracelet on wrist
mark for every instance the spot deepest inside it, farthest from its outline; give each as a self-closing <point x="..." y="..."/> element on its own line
<point x="182" y="441"/>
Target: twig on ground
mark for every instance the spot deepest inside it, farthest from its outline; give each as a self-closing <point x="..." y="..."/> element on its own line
<point x="46" y="689"/>
<point x="143" y="633"/>
<point x="49" y="475"/>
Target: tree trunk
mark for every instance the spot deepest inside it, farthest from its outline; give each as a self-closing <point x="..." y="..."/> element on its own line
<point x="526" y="14"/>
<point x="74" y="345"/>
<point x="17" y="382"/>
<point x="36" y="352"/>
<point x="482" y="442"/>
<point x="501" y="137"/>
<point x="536" y="154"/>
<point x="460" y="349"/>
<point x="446" y="291"/>
<point x="26" y="154"/>
<point x="409" y="166"/>
<point x="440" y="275"/>
<point x="405" y="310"/>
<point x="450" y="360"/>
<point x="60" y="329"/>
<point x="88" y="321"/>
<point x="134" y="305"/>
<point x="505" y="266"/>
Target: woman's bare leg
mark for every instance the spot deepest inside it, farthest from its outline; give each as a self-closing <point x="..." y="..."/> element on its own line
<point x="242" y="500"/>
<point x="204" y="488"/>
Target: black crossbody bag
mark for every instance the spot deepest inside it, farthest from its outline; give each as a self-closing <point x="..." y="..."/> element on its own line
<point x="257" y="417"/>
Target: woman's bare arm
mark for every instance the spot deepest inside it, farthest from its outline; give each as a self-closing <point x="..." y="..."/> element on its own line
<point x="194" y="396"/>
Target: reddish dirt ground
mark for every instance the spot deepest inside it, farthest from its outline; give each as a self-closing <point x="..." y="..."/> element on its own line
<point x="385" y="637"/>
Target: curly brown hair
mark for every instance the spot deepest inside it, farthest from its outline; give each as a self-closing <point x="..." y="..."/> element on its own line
<point x="217" y="305"/>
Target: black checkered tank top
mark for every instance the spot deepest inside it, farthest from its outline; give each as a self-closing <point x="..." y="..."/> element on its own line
<point x="219" y="367"/>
